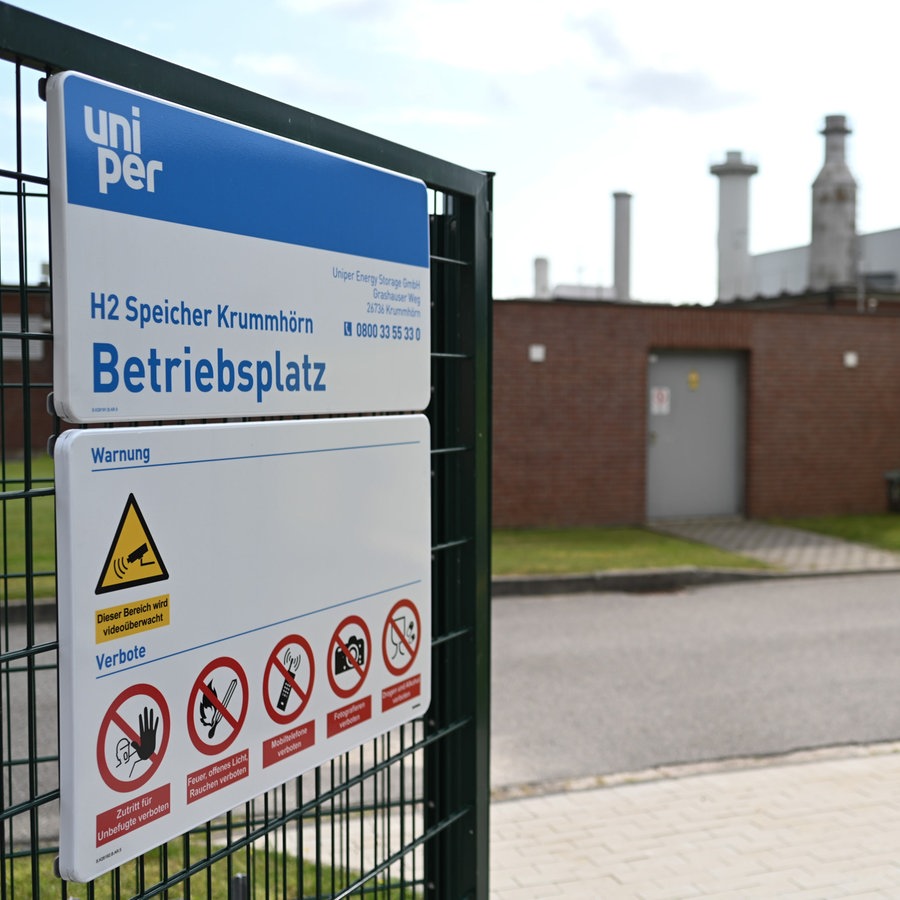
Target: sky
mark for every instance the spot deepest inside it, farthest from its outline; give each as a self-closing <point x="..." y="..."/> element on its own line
<point x="569" y="101"/>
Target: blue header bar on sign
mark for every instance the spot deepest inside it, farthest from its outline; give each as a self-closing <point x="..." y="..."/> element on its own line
<point x="131" y="154"/>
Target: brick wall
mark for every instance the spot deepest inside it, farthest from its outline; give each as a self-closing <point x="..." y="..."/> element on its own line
<point x="26" y="424"/>
<point x="570" y="433"/>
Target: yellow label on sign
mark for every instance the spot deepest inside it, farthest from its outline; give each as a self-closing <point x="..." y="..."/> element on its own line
<point x="131" y="618"/>
<point x="133" y="558"/>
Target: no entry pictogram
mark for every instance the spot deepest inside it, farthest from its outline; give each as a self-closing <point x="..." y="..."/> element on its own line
<point x="133" y="737"/>
<point x="217" y="705"/>
<point x="288" y="679"/>
<point x="401" y="637"/>
<point x="349" y="656"/>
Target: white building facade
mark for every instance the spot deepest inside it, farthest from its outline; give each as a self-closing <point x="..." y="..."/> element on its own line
<point x="836" y="257"/>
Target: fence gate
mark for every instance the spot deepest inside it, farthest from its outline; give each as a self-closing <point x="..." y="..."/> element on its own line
<point x="405" y="815"/>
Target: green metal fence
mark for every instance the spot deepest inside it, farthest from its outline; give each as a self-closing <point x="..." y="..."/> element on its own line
<point x="405" y="815"/>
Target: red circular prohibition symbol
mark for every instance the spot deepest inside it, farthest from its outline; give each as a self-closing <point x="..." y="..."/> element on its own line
<point x="135" y="736"/>
<point x="217" y="706"/>
<point x="282" y="668"/>
<point x="393" y="634"/>
<point x="349" y="656"/>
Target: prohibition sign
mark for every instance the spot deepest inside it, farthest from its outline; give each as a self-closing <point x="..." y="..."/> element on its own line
<point x="210" y="707"/>
<point x="402" y="637"/>
<point x="140" y="741"/>
<point x="281" y="687"/>
<point x="349" y="652"/>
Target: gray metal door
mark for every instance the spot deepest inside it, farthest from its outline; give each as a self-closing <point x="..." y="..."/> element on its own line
<point x="695" y="451"/>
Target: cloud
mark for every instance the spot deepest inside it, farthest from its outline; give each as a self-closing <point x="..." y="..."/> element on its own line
<point x="293" y="77"/>
<point x="624" y="80"/>
<point x="452" y="118"/>
<point x="358" y="9"/>
<point x="601" y="34"/>
<point x="689" y="92"/>
<point x="31" y="113"/>
<point x="485" y="36"/>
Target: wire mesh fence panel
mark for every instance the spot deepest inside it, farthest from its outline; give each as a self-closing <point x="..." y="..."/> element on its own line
<point x="402" y="816"/>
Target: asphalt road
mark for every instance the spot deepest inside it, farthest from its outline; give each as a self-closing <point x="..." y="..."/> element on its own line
<point x="34" y="737"/>
<point x="591" y="684"/>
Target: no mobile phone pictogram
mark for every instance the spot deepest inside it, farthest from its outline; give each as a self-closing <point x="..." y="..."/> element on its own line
<point x="288" y="679"/>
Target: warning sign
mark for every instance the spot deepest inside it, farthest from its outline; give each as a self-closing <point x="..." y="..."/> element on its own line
<point x="217" y="706"/>
<point x="349" y="656"/>
<point x="660" y="401"/>
<point x="279" y="641"/>
<point x="288" y="680"/>
<point x="401" y="637"/>
<point x="133" y="738"/>
<point x="133" y="558"/>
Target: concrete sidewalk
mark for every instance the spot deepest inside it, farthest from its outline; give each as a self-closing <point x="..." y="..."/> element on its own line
<point x="824" y="824"/>
<point x="788" y="549"/>
<point x="819" y="825"/>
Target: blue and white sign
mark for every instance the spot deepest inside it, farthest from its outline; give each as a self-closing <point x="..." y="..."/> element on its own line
<point x="238" y="603"/>
<point x="206" y="269"/>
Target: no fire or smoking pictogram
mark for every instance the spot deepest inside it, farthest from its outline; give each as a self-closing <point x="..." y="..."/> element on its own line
<point x="217" y="705"/>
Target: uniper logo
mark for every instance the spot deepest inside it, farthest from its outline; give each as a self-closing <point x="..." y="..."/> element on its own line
<point x="114" y="132"/>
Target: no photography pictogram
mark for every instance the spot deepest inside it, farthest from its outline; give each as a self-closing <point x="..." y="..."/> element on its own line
<point x="217" y="705"/>
<point x="349" y="656"/>
<point x="402" y="637"/>
<point x="288" y="679"/>
<point x="133" y="737"/>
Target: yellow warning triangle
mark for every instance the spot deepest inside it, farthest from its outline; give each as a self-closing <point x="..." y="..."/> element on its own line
<point x="133" y="558"/>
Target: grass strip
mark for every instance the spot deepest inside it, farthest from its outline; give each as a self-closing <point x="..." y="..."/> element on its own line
<point x="271" y="874"/>
<point x="559" y="551"/>
<point x="14" y="518"/>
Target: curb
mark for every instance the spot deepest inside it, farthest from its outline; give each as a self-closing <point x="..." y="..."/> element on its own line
<point x="650" y="580"/>
<point x="43" y="610"/>
<point x="629" y="581"/>
<point x="834" y="753"/>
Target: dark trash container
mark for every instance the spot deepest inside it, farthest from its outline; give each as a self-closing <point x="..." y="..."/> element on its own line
<point x="893" y="489"/>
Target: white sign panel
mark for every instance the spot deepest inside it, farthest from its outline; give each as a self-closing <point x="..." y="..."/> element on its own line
<point x="660" y="401"/>
<point x="203" y="269"/>
<point x="237" y="604"/>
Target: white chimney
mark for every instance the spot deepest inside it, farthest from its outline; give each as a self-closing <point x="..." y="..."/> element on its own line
<point x="734" y="225"/>
<point x="622" y="246"/>
<point x="542" y="278"/>
<point x="832" y="250"/>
